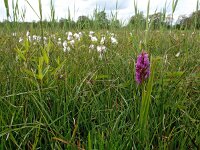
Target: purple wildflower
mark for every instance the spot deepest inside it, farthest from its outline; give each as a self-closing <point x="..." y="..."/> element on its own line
<point x="142" y="67"/>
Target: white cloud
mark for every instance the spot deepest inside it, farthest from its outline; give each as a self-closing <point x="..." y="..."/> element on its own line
<point x="125" y="9"/>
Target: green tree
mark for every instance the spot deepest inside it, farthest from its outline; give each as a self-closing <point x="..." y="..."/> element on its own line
<point x="66" y="23"/>
<point x="157" y="20"/>
<point x="115" y="23"/>
<point x="100" y="19"/>
<point x="84" y="22"/>
<point x="193" y="21"/>
<point x="138" y="21"/>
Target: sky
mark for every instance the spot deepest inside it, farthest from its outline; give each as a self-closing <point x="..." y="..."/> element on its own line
<point x="125" y="8"/>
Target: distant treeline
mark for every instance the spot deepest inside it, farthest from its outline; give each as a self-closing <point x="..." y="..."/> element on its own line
<point x="100" y="21"/>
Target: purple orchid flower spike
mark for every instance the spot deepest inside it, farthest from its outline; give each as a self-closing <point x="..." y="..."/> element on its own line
<point x="142" y="67"/>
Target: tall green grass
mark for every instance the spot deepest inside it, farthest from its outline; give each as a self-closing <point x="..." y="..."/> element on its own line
<point x="55" y="100"/>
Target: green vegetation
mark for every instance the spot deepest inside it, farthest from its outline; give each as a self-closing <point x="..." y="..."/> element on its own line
<point x="57" y="92"/>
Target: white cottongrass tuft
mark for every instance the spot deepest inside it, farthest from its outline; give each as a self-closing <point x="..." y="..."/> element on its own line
<point x="94" y="39"/>
<point x="114" y="40"/>
<point x="70" y="36"/>
<point x="39" y="38"/>
<point x="45" y="38"/>
<point x="103" y="40"/>
<point x="91" y="32"/>
<point x="53" y="36"/>
<point x="77" y="36"/>
<point x="20" y="39"/>
<point x="27" y="33"/>
<point x="59" y="41"/>
<point x="101" y="49"/>
<point x="72" y="42"/>
<point x="66" y="49"/>
<point x="29" y="38"/>
<point x="14" y="34"/>
<point x="69" y="33"/>
<point x="178" y="54"/>
<point x="91" y="47"/>
<point x="34" y="37"/>
<point x="65" y="43"/>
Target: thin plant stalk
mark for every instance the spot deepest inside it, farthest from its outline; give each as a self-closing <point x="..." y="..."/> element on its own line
<point x="145" y="105"/>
